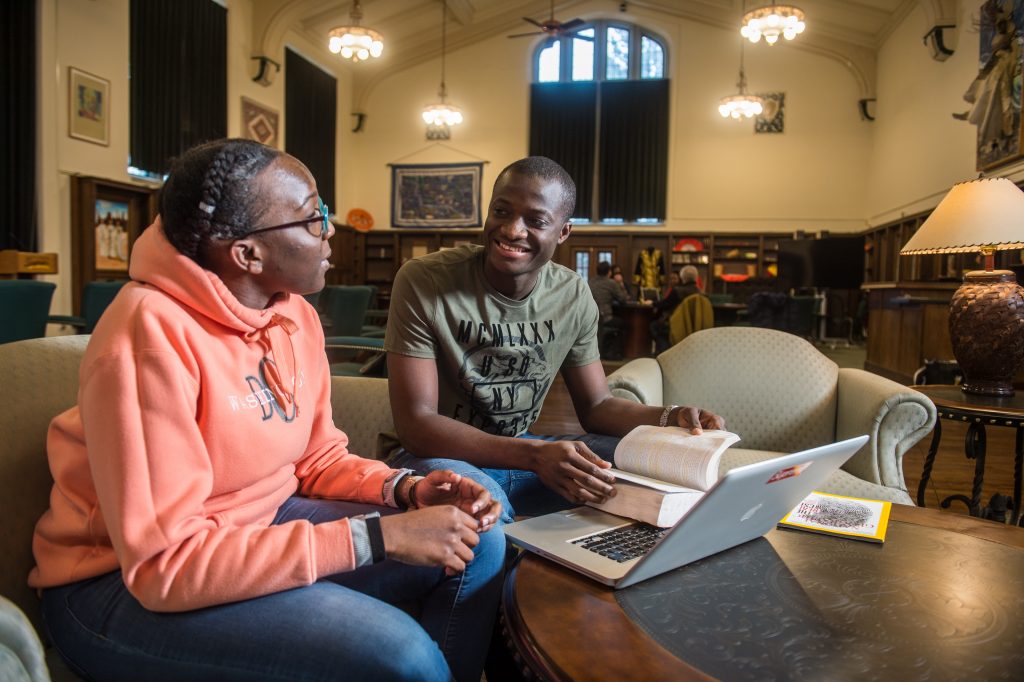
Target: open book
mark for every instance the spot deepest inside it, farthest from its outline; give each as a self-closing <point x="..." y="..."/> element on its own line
<point x="661" y="472"/>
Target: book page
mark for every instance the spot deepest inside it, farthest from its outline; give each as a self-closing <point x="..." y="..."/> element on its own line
<point x="673" y="454"/>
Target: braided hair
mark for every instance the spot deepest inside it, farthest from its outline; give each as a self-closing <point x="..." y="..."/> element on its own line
<point x="210" y="194"/>
<point x="546" y="169"/>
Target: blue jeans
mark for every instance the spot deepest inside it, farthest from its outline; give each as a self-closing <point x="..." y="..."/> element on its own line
<point x="346" y="626"/>
<point x="518" y="490"/>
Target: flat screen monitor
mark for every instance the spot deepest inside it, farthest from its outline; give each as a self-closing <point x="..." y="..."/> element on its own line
<point x="828" y="263"/>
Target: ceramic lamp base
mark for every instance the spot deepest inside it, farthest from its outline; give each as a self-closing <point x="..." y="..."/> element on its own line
<point x="986" y="326"/>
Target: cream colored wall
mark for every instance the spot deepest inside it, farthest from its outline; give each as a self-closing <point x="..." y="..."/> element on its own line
<point x="919" y="149"/>
<point x="722" y="176"/>
<point x="93" y="37"/>
<point x="829" y="170"/>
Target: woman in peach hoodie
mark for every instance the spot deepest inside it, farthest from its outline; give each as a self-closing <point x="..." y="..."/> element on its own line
<point x="207" y="520"/>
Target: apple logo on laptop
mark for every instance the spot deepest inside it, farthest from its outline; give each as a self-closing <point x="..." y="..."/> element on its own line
<point x="750" y="513"/>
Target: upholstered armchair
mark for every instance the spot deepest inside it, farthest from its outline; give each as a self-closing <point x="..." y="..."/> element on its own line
<point x="780" y="394"/>
<point x="40" y="377"/>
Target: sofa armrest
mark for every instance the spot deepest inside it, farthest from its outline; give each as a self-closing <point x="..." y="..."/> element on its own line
<point x="639" y="380"/>
<point x="362" y="409"/>
<point x="21" y="653"/>
<point x="894" y="416"/>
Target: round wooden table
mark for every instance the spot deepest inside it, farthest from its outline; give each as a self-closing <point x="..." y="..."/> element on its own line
<point x="978" y="412"/>
<point x="942" y="598"/>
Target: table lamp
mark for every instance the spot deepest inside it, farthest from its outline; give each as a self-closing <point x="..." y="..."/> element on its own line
<point x="986" y="315"/>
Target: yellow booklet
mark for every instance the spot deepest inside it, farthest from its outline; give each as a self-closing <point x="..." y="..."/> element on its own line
<point x="849" y="517"/>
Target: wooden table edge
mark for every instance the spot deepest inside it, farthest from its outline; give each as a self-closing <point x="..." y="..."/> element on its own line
<point x="591" y="606"/>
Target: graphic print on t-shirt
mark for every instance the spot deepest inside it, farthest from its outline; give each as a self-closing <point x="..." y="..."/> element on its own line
<point x="504" y="375"/>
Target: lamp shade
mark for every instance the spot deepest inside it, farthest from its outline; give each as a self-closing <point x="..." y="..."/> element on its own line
<point x="987" y="212"/>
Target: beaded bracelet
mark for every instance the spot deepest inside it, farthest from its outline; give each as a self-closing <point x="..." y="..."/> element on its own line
<point x="665" y="414"/>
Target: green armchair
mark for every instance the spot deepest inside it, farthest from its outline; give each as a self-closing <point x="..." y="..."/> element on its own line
<point x="24" y="308"/>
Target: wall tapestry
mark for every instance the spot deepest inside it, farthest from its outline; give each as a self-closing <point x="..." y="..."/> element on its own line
<point x="259" y="123"/>
<point x="436" y="195"/>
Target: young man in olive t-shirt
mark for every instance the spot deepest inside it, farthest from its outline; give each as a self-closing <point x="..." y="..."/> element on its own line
<point x="475" y="337"/>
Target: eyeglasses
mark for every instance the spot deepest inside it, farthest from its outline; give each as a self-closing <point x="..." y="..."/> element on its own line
<point x="318" y="226"/>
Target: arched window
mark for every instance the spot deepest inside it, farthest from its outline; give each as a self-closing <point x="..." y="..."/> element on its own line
<point x="599" y="106"/>
<point x="601" y="51"/>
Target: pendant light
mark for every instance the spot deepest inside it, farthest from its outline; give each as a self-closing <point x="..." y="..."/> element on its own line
<point x="442" y="114"/>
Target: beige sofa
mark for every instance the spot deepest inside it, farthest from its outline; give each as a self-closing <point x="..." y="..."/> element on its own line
<point x="40" y="378"/>
<point x="780" y="394"/>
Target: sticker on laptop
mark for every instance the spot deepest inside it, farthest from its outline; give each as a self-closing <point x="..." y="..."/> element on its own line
<point x="789" y="472"/>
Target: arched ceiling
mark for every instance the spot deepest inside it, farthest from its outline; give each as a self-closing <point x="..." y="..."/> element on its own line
<point x="848" y="31"/>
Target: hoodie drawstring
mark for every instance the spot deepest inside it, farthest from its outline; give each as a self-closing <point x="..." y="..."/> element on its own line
<point x="275" y="382"/>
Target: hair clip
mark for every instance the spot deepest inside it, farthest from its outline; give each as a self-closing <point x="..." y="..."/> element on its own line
<point x="205" y="208"/>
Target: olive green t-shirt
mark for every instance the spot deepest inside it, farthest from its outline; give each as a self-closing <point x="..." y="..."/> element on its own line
<point x="496" y="357"/>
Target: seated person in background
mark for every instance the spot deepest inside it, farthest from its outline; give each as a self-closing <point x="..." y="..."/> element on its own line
<point x="685" y="284"/>
<point x="618" y="277"/>
<point x="608" y="294"/>
<point x="207" y="520"/>
<point x="475" y="337"/>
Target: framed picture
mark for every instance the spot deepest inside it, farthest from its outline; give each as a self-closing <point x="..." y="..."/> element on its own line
<point x="773" y="118"/>
<point x="106" y="218"/>
<point x="436" y="195"/>
<point x="111" y="235"/>
<point x="994" y="94"/>
<point x="88" y="107"/>
<point x="259" y="123"/>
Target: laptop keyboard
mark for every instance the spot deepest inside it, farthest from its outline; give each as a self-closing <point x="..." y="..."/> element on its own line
<point x="623" y="543"/>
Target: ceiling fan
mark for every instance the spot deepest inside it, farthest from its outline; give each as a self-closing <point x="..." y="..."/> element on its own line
<point x="553" y="28"/>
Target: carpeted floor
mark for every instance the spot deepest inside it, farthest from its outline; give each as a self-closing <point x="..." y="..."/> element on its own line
<point x="845" y="356"/>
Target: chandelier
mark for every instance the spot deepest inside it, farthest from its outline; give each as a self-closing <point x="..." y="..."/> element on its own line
<point x="442" y="114"/>
<point x="771" y="22"/>
<point x="355" y="42"/>
<point x="742" y="104"/>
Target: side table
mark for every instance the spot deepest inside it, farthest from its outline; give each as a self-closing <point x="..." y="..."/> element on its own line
<point x="978" y="412"/>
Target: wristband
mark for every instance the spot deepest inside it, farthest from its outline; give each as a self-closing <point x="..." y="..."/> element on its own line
<point x="663" y="421"/>
<point x="376" y="536"/>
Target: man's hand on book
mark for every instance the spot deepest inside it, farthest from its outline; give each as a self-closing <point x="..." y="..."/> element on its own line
<point x="573" y="471"/>
<point x="696" y="420"/>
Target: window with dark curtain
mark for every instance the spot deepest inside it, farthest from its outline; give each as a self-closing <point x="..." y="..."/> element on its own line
<point x="18" y="121"/>
<point x="310" y="112"/>
<point x="630" y="147"/>
<point x="599" y="106"/>
<point x="563" y="119"/>
<point x="178" y="67"/>
<point x="633" y="149"/>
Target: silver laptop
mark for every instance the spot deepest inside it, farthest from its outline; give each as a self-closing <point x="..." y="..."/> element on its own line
<point x="744" y="504"/>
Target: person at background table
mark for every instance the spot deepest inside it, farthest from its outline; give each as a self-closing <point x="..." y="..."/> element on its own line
<point x="475" y="337"/>
<point x="620" y="279"/>
<point x="207" y="519"/>
<point x="608" y="294"/>
<point x="680" y="286"/>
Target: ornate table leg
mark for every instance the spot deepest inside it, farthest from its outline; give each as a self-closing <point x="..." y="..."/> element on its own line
<point x="974" y="448"/>
<point x="929" y="461"/>
<point x="1017" y="462"/>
